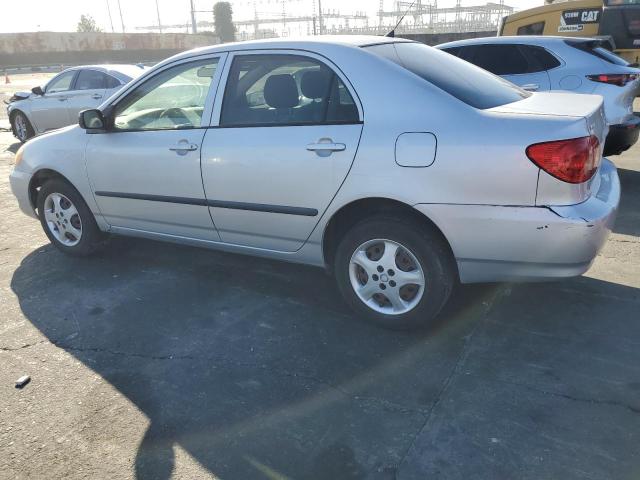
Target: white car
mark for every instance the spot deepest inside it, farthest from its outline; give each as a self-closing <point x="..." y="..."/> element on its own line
<point x="58" y="103"/>
<point x="399" y="167"/>
<point x="580" y="65"/>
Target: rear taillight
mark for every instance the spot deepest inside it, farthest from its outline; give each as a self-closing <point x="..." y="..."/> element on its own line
<point x="573" y="161"/>
<point x="619" y="79"/>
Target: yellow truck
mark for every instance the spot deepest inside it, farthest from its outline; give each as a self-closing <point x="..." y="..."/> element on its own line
<point x="614" y="21"/>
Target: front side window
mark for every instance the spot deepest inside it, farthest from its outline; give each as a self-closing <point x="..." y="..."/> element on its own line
<point x="61" y="83"/>
<point x="285" y="90"/>
<point x="174" y="98"/>
<point x="91" y="80"/>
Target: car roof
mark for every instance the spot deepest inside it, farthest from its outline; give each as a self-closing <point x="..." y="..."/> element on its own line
<point x="310" y="42"/>
<point x="520" y="39"/>
<point x="123" y="71"/>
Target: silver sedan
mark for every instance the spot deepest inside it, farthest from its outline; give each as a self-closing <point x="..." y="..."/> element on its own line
<point x="400" y="168"/>
<point x="58" y="103"/>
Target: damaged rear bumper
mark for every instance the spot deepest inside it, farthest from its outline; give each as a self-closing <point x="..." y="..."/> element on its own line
<point x="497" y="243"/>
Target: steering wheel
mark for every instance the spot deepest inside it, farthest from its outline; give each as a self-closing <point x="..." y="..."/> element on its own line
<point x="173" y="113"/>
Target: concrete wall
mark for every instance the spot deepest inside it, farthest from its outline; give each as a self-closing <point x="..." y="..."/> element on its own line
<point x="46" y="48"/>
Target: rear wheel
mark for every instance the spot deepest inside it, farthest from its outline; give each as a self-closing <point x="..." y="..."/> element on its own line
<point x="22" y="127"/>
<point x="394" y="273"/>
<point x="67" y="220"/>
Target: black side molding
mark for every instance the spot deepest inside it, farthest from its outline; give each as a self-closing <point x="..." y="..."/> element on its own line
<point x="255" y="207"/>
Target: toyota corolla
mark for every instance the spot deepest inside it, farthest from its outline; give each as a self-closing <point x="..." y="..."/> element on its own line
<point x="399" y="168"/>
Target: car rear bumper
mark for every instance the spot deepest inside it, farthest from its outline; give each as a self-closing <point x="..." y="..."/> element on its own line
<point x="20" y="187"/>
<point x="622" y="136"/>
<point x="496" y="243"/>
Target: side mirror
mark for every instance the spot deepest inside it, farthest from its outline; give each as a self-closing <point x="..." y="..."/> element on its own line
<point x="92" y="120"/>
<point x="37" y="90"/>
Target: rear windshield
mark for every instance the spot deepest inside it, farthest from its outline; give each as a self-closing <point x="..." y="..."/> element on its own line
<point x="468" y="83"/>
<point x="595" y="48"/>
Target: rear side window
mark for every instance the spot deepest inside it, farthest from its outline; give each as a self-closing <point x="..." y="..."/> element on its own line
<point x="539" y="58"/>
<point x="111" y="82"/>
<point x="501" y="59"/>
<point x="285" y="90"/>
<point x="531" y="29"/>
<point x="90" y="80"/>
<point x="464" y="81"/>
<point x="596" y="49"/>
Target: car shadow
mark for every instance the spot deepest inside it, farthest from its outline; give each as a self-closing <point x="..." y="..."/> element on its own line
<point x="628" y="220"/>
<point x="257" y="369"/>
<point x="254" y="367"/>
<point x="13" y="148"/>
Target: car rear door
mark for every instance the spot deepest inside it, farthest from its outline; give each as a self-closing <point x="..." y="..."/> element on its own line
<point x="49" y="111"/>
<point x="145" y="171"/>
<point x="88" y="91"/>
<point x="283" y="139"/>
<point x="511" y="62"/>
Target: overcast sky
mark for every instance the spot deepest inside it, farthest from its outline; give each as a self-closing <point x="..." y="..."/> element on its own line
<point x="63" y="15"/>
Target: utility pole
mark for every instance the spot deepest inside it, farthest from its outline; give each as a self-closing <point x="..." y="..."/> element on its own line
<point x="121" y="19"/>
<point x="158" y="12"/>
<point x="320" y="16"/>
<point x="110" y="19"/>
<point x="194" y="27"/>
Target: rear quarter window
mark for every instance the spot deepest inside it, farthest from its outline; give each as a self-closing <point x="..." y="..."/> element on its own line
<point x="464" y="81"/>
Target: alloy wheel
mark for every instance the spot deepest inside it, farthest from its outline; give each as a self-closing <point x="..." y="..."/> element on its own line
<point x="386" y="276"/>
<point x="63" y="219"/>
<point x="22" y="131"/>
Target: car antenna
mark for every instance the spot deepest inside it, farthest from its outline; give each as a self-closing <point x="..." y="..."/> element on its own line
<point x="392" y="33"/>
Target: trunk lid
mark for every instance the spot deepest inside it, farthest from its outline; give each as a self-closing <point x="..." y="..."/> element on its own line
<point x="558" y="104"/>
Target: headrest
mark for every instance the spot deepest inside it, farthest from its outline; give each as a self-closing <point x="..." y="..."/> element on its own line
<point x="315" y="83"/>
<point x="281" y="91"/>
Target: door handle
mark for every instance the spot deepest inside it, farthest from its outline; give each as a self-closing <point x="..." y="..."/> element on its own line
<point x="326" y="146"/>
<point x="531" y="87"/>
<point x="184" y="147"/>
<point x="62" y="99"/>
<point x="96" y="96"/>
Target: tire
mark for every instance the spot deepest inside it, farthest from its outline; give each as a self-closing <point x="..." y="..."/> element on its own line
<point x="67" y="220"/>
<point x="421" y="256"/>
<point x="22" y="128"/>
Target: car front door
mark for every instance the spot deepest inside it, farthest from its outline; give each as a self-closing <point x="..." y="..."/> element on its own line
<point x="88" y="91"/>
<point x="145" y="171"/>
<point x="287" y="132"/>
<point x="512" y="63"/>
<point x="49" y="111"/>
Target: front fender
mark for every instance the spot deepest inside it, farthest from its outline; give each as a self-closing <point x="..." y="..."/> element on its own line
<point x="63" y="152"/>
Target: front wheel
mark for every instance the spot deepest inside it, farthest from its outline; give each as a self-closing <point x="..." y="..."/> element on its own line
<point x="22" y="127"/>
<point x="394" y="273"/>
<point x="67" y="219"/>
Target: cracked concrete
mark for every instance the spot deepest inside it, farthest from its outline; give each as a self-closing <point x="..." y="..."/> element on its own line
<point x="160" y="361"/>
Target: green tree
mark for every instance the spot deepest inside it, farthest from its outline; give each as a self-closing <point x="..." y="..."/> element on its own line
<point x="87" y="24"/>
<point x="223" y="22"/>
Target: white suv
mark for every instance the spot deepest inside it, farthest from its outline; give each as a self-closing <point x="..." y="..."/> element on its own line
<point x="580" y="65"/>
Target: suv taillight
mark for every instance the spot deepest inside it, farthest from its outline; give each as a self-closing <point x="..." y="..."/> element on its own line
<point x="573" y="161"/>
<point x="619" y="79"/>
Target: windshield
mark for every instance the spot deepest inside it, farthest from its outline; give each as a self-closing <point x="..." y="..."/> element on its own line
<point x="468" y="83"/>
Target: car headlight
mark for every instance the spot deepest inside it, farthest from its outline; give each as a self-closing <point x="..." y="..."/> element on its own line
<point x="19" y="155"/>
